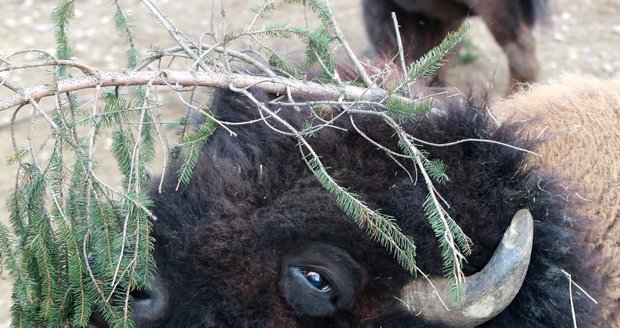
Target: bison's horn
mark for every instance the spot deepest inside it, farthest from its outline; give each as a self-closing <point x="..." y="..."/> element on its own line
<point x="488" y="291"/>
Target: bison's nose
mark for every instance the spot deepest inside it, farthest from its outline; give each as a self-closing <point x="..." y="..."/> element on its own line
<point x="151" y="305"/>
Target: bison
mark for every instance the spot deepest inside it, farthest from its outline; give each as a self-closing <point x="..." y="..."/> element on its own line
<point x="578" y="117"/>
<point x="425" y="23"/>
<point x="254" y="240"/>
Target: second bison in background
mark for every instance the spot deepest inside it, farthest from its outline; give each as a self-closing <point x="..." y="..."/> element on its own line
<point x="425" y="23"/>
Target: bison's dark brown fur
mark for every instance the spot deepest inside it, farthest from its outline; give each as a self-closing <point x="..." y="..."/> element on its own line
<point x="425" y="23"/>
<point x="229" y="244"/>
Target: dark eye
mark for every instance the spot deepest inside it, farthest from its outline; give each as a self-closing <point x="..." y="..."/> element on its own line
<point x="316" y="280"/>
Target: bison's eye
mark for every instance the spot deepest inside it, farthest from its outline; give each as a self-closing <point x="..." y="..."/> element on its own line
<point x="319" y="279"/>
<point x="316" y="280"/>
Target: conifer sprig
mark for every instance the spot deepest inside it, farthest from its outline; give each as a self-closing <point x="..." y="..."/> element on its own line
<point x="429" y="63"/>
<point x="454" y="245"/>
<point x="125" y="27"/>
<point x="380" y="227"/>
<point x="61" y="17"/>
<point x="191" y="146"/>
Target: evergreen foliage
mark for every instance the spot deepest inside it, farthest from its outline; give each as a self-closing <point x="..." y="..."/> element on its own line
<point x="428" y="64"/>
<point x="61" y="17"/>
<point x="380" y="227"/>
<point x="77" y="244"/>
<point x="125" y="26"/>
<point x="191" y="145"/>
<point x="402" y="110"/>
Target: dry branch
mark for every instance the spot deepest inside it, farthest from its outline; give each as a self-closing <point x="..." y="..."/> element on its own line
<point x="178" y="79"/>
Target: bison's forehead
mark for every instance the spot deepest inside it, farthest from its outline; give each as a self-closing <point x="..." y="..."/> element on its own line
<point x="240" y="258"/>
<point x="249" y="240"/>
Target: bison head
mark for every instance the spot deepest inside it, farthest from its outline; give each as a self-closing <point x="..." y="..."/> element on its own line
<point x="254" y="240"/>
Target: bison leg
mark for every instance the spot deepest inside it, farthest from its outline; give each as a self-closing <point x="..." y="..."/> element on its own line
<point x="510" y="23"/>
<point x="522" y="60"/>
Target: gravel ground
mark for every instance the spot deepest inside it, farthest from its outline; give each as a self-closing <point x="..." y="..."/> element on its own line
<point x="583" y="37"/>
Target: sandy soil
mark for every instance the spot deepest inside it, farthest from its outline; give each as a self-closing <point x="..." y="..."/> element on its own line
<point x="583" y="37"/>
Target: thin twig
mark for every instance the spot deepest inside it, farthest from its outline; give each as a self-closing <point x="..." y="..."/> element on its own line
<point x="401" y="54"/>
<point x="181" y="39"/>
<point x="579" y="287"/>
<point x="340" y="37"/>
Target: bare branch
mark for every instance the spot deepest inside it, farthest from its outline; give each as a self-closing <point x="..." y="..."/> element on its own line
<point x="273" y="85"/>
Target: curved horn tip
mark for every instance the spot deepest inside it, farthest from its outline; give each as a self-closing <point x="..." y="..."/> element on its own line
<point x="522" y="225"/>
<point x="489" y="291"/>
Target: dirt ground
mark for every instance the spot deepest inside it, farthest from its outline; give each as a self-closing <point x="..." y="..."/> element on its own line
<point x="583" y="37"/>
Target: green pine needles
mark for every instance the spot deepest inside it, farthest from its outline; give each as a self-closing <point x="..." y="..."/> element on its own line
<point x="61" y="16"/>
<point x="191" y="146"/>
<point x="77" y="243"/>
<point x="380" y="227"/>
<point x="428" y="64"/>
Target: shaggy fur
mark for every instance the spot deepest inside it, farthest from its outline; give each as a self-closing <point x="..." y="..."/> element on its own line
<point x="579" y="120"/>
<point x="252" y="201"/>
<point x="423" y="24"/>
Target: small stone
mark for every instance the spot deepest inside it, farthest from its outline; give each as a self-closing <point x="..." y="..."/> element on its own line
<point x="609" y="68"/>
<point x="591" y="61"/>
<point x="26" y="20"/>
<point x="81" y="47"/>
<point x="29" y="41"/>
<point x="573" y="53"/>
<point x="10" y="22"/>
<point x="565" y="15"/>
<point x="43" y="27"/>
<point x="105" y="19"/>
<point x="109" y="58"/>
<point x="616" y="29"/>
<point x="559" y="37"/>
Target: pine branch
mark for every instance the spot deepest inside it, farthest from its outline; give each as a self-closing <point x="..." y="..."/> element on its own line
<point x="80" y="243"/>
<point x="125" y="27"/>
<point x="379" y="227"/>
<point x="61" y="16"/>
<point x="428" y="64"/>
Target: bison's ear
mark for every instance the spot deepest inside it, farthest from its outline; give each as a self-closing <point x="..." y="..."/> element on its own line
<point x="319" y="279"/>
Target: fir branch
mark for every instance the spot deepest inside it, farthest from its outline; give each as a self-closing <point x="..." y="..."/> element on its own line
<point x="379" y="227"/>
<point x="261" y="11"/>
<point x="61" y="17"/>
<point x="191" y="147"/>
<point x="402" y="110"/>
<point x="181" y="39"/>
<point x="324" y="12"/>
<point x="453" y="243"/>
<point x="125" y="26"/>
<point x="428" y="64"/>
